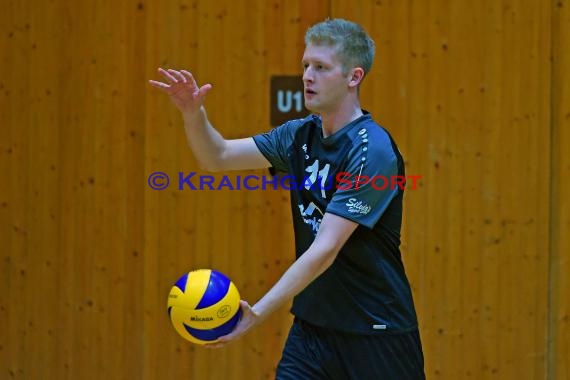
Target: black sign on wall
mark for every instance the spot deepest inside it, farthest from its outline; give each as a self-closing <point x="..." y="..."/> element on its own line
<point x="287" y="100"/>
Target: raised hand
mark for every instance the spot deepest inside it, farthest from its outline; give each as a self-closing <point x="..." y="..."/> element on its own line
<point x="182" y="89"/>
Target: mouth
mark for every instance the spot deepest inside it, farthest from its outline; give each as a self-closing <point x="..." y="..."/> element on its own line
<point x="309" y="92"/>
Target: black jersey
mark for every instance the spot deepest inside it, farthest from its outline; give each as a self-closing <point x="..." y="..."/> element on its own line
<point x="365" y="290"/>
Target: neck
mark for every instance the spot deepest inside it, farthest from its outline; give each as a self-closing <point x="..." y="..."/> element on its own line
<point x="335" y="121"/>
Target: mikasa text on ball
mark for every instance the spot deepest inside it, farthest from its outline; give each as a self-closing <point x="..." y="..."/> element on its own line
<point x="204" y="305"/>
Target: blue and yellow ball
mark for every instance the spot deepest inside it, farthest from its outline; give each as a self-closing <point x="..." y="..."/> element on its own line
<point x="204" y="305"/>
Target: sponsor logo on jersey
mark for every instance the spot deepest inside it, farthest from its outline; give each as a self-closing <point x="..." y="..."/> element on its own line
<point x="308" y="216"/>
<point x="357" y="207"/>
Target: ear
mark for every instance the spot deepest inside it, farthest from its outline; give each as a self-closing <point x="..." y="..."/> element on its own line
<point x="355" y="76"/>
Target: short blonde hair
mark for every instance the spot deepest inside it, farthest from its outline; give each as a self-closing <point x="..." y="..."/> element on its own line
<point x="355" y="47"/>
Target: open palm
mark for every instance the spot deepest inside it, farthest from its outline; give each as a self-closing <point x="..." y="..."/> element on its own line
<point x="182" y="89"/>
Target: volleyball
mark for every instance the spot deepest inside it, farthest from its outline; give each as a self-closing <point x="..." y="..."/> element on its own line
<point x="204" y="305"/>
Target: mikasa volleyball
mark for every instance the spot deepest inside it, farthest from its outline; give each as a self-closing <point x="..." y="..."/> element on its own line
<point x="204" y="305"/>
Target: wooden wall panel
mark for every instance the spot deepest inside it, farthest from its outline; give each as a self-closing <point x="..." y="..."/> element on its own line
<point x="29" y="271"/>
<point x="89" y="251"/>
<point x="559" y="295"/>
<point x="71" y="234"/>
<point x="465" y="91"/>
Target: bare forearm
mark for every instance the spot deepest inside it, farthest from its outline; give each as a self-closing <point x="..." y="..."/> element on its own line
<point x="333" y="234"/>
<point x="307" y="268"/>
<point x="212" y="151"/>
<point x="206" y="143"/>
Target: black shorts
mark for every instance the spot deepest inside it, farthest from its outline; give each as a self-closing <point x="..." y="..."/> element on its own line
<point x="314" y="353"/>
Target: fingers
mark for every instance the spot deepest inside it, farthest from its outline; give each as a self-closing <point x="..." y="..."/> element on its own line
<point x="205" y="89"/>
<point x="220" y="342"/>
<point x="188" y="75"/>
<point x="177" y="75"/>
<point x="214" y="345"/>
<point x="167" y="75"/>
<point x="158" y="84"/>
<point x="174" y="77"/>
<point x="244" y="324"/>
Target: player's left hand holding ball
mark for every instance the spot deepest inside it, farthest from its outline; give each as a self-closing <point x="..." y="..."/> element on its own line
<point x="248" y="320"/>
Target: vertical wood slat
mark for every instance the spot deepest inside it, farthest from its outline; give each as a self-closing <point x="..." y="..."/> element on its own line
<point x="524" y="219"/>
<point x="14" y="225"/>
<point x="42" y="227"/>
<point x="484" y="226"/>
<point x="559" y="322"/>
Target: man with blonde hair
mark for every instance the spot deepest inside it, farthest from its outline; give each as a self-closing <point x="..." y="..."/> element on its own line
<point x="353" y="306"/>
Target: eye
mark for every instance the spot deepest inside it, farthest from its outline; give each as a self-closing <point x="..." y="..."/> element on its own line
<point x="305" y="66"/>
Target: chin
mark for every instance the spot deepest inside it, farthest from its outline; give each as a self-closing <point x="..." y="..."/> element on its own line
<point x="311" y="107"/>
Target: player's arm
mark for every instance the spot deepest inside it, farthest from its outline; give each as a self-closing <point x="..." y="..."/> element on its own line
<point x="212" y="151"/>
<point x="333" y="233"/>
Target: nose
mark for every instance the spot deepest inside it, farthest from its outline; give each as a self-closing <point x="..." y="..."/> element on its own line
<point x="307" y="75"/>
